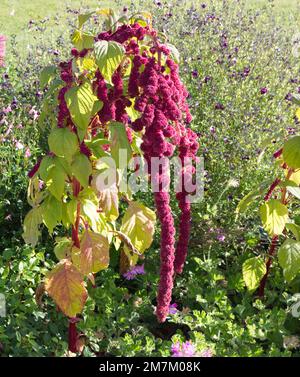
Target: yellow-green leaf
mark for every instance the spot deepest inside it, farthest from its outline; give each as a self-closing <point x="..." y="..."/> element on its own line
<point x="93" y="255"/>
<point x="66" y="287"/>
<point x="109" y="202"/>
<point x="289" y="258"/>
<point x="138" y="224"/>
<point x="31" y="226"/>
<point x="51" y="212"/>
<point x="253" y="271"/>
<point x="109" y="55"/>
<point x="274" y="216"/>
<point x="82" y="104"/>
<point x="82" y="169"/>
<point x="291" y="152"/>
<point x="63" y="143"/>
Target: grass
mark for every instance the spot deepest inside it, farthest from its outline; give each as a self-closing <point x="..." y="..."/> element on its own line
<point x="14" y="18"/>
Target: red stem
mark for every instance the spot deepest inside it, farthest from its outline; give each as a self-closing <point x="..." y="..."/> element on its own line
<point x="272" y="249"/>
<point x="75" y="238"/>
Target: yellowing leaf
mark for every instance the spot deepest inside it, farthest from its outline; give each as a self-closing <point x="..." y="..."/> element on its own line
<point x="93" y="255"/>
<point x="109" y="55"/>
<point x="274" y="216"/>
<point x="66" y="286"/>
<point x="253" y="271"/>
<point x="297" y="113"/>
<point x="109" y="202"/>
<point x="31" y="226"/>
<point x="138" y="224"/>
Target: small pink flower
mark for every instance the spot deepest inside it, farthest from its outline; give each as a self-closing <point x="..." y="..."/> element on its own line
<point x="7" y="109"/>
<point x="34" y="113"/>
<point x="27" y="153"/>
<point x="19" y="145"/>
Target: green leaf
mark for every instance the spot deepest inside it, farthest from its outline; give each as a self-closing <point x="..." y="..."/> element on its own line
<point x="109" y="55"/>
<point x="93" y="255"/>
<point x="295" y="229"/>
<point x="82" y="169"/>
<point x="47" y="75"/>
<point x="82" y="18"/>
<point x="56" y="178"/>
<point x="63" y="143"/>
<point x="31" y="226"/>
<point x="62" y="248"/>
<point x="274" y="216"/>
<point x="291" y="152"/>
<point x="51" y="212"/>
<point x="46" y="164"/>
<point x="82" y="104"/>
<point x="82" y="40"/>
<point x="72" y="210"/>
<point x="66" y="286"/>
<point x="289" y="259"/>
<point x="119" y="142"/>
<point x="253" y="271"/>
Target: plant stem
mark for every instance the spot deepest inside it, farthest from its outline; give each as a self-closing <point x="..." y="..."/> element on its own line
<point x="261" y="291"/>
<point x="75" y="238"/>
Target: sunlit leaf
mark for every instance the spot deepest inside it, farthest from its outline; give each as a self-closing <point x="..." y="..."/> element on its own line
<point x="291" y="152"/>
<point x="289" y="258"/>
<point x="138" y="224"/>
<point x="274" y="216"/>
<point x="109" y="55"/>
<point x="82" y="104"/>
<point x="253" y="271"/>
<point x="93" y="255"/>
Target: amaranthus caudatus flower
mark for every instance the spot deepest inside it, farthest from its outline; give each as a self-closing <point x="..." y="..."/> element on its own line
<point x="120" y="88"/>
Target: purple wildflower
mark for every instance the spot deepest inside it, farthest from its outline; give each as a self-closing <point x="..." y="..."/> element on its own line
<point x="186" y="349"/>
<point x="263" y="90"/>
<point x="195" y="73"/>
<point x="173" y="308"/>
<point x="136" y="270"/>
